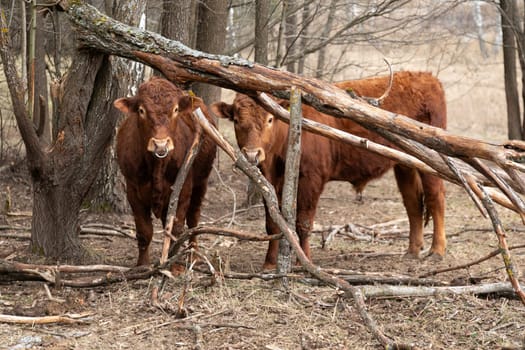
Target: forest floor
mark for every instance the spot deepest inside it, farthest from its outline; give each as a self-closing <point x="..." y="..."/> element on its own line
<point x="257" y="314"/>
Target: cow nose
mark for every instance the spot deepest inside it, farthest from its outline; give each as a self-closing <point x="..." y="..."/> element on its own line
<point x="160" y="147"/>
<point x="254" y="155"/>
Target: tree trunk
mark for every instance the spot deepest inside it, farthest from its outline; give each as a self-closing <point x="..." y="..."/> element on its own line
<point x="61" y="178"/>
<point x="520" y="40"/>
<point x="321" y="56"/>
<point x="108" y="191"/>
<point x="41" y="118"/>
<point x="211" y="37"/>
<point x="304" y="41"/>
<point x="508" y="10"/>
<point x="63" y="173"/>
<point x="262" y="12"/>
<point x="55" y="226"/>
<point x="290" y="33"/>
<point x="177" y="20"/>
<point x="291" y="181"/>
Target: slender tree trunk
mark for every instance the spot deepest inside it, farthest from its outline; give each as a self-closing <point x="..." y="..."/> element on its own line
<point x="520" y="39"/>
<point x="280" y="37"/>
<point x="478" y="20"/>
<point x="508" y="10"/>
<point x="291" y="181"/>
<point x="211" y="37"/>
<point x="290" y="33"/>
<point x="321" y="56"/>
<point x="304" y="40"/>
<point x="41" y="82"/>
<point x="262" y="12"/>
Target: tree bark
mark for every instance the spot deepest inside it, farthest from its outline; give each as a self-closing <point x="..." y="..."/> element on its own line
<point x="290" y="33"/>
<point x="108" y="191"/>
<point x="40" y="117"/>
<point x="177" y="20"/>
<point x="262" y="11"/>
<point x="321" y="55"/>
<point x="291" y="181"/>
<point x="61" y="178"/>
<point x="508" y="10"/>
<point x="306" y="19"/>
<point x="211" y="37"/>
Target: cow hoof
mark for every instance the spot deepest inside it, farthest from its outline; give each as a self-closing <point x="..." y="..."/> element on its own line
<point x="411" y="256"/>
<point x="434" y="257"/>
<point x="269" y="266"/>
<point x="177" y="269"/>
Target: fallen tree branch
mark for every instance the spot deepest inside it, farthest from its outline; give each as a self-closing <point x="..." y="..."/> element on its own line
<point x="389" y="291"/>
<point x="67" y="318"/>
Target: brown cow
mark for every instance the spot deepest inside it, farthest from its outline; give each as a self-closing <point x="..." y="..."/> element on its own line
<point x="263" y="140"/>
<point x="152" y="143"/>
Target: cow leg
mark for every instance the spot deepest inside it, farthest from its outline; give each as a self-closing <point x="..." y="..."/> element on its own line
<point x="178" y="221"/>
<point x="270" y="262"/>
<point x="193" y="213"/>
<point x="308" y="191"/>
<point x="409" y="185"/>
<point x="434" y="190"/>
<point x="143" y="225"/>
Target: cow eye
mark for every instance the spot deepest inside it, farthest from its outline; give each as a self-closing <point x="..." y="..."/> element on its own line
<point x="142" y="112"/>
<point x="175" y="111"/>
<point x="270" y="119"/>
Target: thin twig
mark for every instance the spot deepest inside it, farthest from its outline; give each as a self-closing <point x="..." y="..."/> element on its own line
<point x="471" y="263"/>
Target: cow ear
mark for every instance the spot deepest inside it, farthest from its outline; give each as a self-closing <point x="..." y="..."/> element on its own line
<point x="123" y="104"/>
<point x="222" y="110"/>
<point x="188" y="103"/>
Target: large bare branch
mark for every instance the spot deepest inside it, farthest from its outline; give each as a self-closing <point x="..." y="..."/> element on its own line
<point x="182" y="64"/>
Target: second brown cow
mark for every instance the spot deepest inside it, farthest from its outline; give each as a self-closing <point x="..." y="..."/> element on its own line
<point x="152" y="143"/>
<point x="263" y="140"/>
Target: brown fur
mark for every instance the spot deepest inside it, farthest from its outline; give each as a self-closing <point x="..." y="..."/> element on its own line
<point x="161" y="111"/>
<point x="414" y="94"/>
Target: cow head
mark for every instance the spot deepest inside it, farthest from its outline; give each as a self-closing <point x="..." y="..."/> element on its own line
<point x="157" y="107"/>
<point x="254" y="127"/>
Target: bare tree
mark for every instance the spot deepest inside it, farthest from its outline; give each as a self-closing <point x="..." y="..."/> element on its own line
<point x="63" y="173"/>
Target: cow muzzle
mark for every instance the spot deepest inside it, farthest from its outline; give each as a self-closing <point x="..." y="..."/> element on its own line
<point x="254" y="155"/>
<point x="160" y="147"/>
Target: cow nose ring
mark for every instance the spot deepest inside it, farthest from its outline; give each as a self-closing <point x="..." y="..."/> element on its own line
<point x="161" y="155"/>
